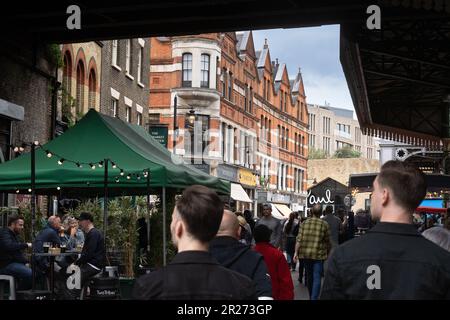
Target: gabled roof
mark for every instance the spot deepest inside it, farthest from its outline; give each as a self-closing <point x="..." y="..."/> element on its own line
<point x="297" y="86"/>
<point x="245" y="43"/>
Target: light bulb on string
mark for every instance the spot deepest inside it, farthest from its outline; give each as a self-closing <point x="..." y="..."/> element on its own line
<point x="36" y="143"/>
<point x="49" y="154"/>
<point x="113" y="165"/>
<point x="79" y="165"/>
<point x="92" y="166"/>
<point x="100" y="164"/>
<point x="117" y="180"/>
<point x="58" y="188"/>
<point x="17" y="191"/>
<point x="139" y="177"/>
<point x="121" y="172"/>
<point x="61" y="161"/>
<point x="128" y="177"/>
<point x="29" y="190"/>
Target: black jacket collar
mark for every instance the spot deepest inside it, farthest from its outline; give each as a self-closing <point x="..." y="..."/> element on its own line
<point x="193" y="257"/>
<point x="395" y="228"/>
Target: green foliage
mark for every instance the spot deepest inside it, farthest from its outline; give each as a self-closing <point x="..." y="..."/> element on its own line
<point x="55" y="55"/>
<point x="317" y="154"/>
<point x="347" y="152"/>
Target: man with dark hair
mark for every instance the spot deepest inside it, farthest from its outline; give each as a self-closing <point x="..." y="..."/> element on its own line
<point x="313" y="245"/>
<point x="335" y="225"/>
<point x="282" y="286"/>
<point x="193" y="273"/>
<point x="12" y="260"/>
<point x="273" y="224"/>
<point x="392" y="260"/>
<point x="234" y="255"/>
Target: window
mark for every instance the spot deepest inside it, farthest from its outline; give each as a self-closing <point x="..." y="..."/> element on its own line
<point x="139" y="119"/>
<point x="115" y="110"/>
<point x="287" y="139"/>
<point x="187" y="70"/>
<point x="246" y="99"/>
<point x="92" y="88"/>
<point x="115" y="52"/>
<point x="295" y="142"/>
<point x="281" y="100"/>
<point x="128" y="114"/>
<point x="153" y="117"/>
<point x="266" y="127"/>
<point x="279" y="136"/>
<point x="270" y="131"/>
<point x="268" y="89"/>
<point x="223" y="80"/>
<point x="283" y="135"/>
<point x="303" y="145"/>
<point x="140" y="64"/>
<point x="230" y="86"/>
<point x="265" y="88"/>
<point x="128" y="56"/>
<point x="80" y="87"/>
<point x="285" y="101"/>
<point x="204" y="83"/>
<point x="250" y="105"/>
<point x="262" y="128"/>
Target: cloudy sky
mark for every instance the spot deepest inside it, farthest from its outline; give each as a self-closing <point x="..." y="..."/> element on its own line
<point x="316" y="52"/>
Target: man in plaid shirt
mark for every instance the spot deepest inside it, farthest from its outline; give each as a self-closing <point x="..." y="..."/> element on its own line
<point x="313" y="245"/>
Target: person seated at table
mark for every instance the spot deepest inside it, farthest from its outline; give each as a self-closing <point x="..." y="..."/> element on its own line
<point x="72" y="233"/>
<point x="49" y="234"/>
<point x="92" y="258"/>
<point x="12" y="260"/>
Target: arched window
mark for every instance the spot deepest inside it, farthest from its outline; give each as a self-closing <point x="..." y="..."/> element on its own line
<point x="67" y="77"/>
<point x="204" y="83"/>
<point x="187" y="70"/>
<point x="80" y="87"/>
<point x="92" y="88"/>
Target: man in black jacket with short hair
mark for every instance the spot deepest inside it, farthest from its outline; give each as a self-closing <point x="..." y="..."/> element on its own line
<point x="193" y="274"/>
<point x="234" y="255"/>
<point x="392" y="260"/>
<point x="92" y="258"/>
<point x="12" y="260"/>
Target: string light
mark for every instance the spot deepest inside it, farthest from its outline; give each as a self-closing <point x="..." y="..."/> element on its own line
<point x="49" y="154"/>
<point x="61" y="161"/>
<point x="79" y="165"/>
<point x="121" y="172"/>
<point x="128" y="177"/>
<point x="36" y="143"/>
<point x="100" y="164"/>
<point x="58" y="188"/>
<point x="113" y="165"/>
<point x="29" y="190"/>
<point x="92" y="166"/>
<point x="17" y="191"/>
<point x="117" y="180"/>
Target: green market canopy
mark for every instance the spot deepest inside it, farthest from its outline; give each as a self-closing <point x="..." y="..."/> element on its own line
<point x="93" y="139"/>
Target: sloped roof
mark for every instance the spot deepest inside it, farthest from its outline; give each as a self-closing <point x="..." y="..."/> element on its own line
<point x="94" y="138"/>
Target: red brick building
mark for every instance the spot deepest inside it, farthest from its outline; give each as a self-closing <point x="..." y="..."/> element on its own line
<point x="239" y="115"/>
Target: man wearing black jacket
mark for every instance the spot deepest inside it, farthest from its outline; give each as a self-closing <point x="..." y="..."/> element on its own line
<point x="392" y="260"/>
<point x="92" y="258"/>
<point x="193" y="274"/>
<point x="12" y="260"/>
<point x="234" y="255"/>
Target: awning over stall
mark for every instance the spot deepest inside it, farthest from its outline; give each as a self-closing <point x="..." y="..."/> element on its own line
<point x="284" y="209"/>
<point x="238" y="193"/>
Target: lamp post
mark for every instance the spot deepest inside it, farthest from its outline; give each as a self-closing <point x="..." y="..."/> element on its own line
<point x="175" y="128"/>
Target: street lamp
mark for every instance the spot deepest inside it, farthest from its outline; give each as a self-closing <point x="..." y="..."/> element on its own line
<point x="191" y="117"/>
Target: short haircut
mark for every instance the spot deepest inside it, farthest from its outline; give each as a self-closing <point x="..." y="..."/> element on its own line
<point x="262" y="233"/>
<point x="14" y="218"/>
<point x="406" y="183"/>
<point x="316" y="210"/>
<point x="328" y="209"/>
<point x="201" y="210"/>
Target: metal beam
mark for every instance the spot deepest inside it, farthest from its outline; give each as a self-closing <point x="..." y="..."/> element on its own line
<point x="394" y="76"/>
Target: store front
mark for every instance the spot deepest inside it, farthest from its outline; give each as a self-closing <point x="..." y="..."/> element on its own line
<point x="328" y="192"/>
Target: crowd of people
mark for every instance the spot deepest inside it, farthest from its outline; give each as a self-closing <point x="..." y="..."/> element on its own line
<point x="228" y="255"/>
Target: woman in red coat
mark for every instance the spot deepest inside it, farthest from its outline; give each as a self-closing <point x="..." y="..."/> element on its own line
<point x="282" y="286"/>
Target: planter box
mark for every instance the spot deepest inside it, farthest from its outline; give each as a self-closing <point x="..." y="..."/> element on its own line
<point x="126" y="287"/>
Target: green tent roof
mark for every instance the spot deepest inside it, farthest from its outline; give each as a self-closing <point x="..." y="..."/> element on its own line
<point x="94" y="138"/>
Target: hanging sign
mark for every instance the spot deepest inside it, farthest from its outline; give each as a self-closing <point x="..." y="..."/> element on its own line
<point x="315" y="199"/>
